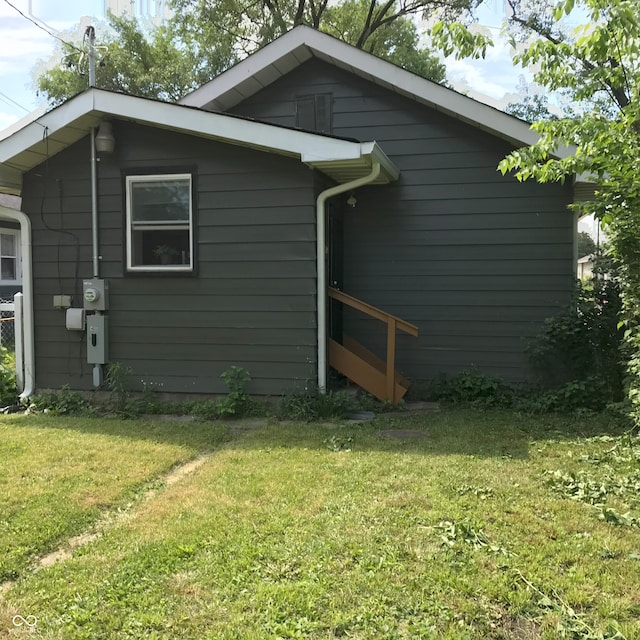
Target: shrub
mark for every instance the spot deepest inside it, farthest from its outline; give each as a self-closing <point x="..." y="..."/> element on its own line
<point x="8" y="390"/>
<point x="312" y="405"/>
<point x="470" y="387"/>
<point x="61" y="402"/>
<point x="580" y="349"/>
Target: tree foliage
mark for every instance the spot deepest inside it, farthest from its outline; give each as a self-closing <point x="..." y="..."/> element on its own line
<point x="158" y="64"/>
<point x="597" y="64"/>
<point x="205" y="37"/>
<point x="586" y="245"/>
<point x="533" y="106"/>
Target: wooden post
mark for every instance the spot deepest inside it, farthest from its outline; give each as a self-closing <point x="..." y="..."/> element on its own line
<point x="391" y="360"/>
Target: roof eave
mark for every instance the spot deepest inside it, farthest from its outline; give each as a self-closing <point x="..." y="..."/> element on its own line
<point x="68" y="123"/>
<point x="298" y="45"/>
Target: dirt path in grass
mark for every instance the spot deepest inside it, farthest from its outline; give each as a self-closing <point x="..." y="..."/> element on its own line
<point x="111" y="517"/>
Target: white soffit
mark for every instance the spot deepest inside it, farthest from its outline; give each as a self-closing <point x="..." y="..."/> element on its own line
<point x="45" y="136"/>
<point x="298" y="45"/>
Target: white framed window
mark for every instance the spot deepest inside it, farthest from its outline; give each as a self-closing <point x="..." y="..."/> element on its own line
<point x="159" y="222"/>
<point x="10" y="268"/>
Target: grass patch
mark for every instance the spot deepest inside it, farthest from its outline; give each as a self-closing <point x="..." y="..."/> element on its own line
<point x="366" y="531"/>
<point x="59" y="475"/>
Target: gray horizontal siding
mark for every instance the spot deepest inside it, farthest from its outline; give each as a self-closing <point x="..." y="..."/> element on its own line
<point x="251" y="302"/>
<point x="474" y="258"/>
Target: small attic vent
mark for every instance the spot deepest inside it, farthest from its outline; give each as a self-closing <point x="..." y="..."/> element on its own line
<point x="313" y="112"/>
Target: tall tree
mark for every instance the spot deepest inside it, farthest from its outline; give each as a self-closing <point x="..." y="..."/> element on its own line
<point x="598" y="65"/>
<point x="257" y="23"/>
<point x="154" y="64"/>
<point x="532" y="106"/>
<point x="204" y="37"/>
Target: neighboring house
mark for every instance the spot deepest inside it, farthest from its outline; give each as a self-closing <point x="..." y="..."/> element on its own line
<point x="10" y="258"/>
<point x="215" y="216"/>
<point x="585" y="267"/>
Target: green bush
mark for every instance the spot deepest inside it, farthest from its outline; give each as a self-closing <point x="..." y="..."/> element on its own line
<point x="578" y="355"/>
<point x="61" y="402"/>
<point x="312" y="405"/>
<point x="8" y="390"/>
<point x="470" y="387"/>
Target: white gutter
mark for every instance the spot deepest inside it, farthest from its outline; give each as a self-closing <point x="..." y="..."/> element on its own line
<point x="321" y="294"/>
<point x="27" y="290"/>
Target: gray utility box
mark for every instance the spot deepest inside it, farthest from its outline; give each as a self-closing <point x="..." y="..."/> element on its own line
<point x="95" y="294"/>
<point x="97" y="338"/>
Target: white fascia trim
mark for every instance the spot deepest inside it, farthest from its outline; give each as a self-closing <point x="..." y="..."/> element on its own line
<point x="303" y="42"/>
<point x="228" y="80"/>
<point x="50" y="124"/>
<point x="23" y="122"/>
<point x="87" y="109"/>
<point x="225" y="128"/>
<point x="381" y="72"/>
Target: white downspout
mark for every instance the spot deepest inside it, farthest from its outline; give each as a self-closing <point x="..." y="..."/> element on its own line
<point x="321" y="294"/>
<point x="27" y="290"/>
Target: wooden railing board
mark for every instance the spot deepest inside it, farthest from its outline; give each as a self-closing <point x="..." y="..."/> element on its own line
<point x="363" y="374"/>
<point x="372" y="311"/>
<point x="360" y="365"/>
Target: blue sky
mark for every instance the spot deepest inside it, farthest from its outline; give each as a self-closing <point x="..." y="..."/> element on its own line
<point x="24" y="45"/>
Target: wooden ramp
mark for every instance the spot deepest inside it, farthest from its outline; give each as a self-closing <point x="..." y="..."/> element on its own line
<point x="377" y="376"/>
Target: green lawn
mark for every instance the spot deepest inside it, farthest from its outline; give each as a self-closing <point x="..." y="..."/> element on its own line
<point x="491" y="525"/>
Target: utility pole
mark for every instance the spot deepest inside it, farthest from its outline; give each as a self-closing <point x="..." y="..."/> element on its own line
<point x="90" y="34"/>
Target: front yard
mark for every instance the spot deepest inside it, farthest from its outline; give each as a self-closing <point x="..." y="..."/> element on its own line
<point x="453" y="524"/>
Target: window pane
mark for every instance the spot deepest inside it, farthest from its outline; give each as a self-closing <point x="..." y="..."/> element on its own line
<point x="8" y="270"/>
<point x="162" y="200"/>
<point x="7" y="244"/>
<point x="160" y="247"/>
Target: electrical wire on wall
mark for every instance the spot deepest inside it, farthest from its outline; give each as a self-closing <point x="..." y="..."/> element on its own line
<point x="75" y="350"/>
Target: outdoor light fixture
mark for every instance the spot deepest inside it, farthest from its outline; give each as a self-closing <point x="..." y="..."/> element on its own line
<point x="351" y="200"/>
<point x="105" y="142"/>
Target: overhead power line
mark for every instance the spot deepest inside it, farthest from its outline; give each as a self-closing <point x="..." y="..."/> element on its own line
<point x="53" y="35"/>
<point x="4" y="97"/>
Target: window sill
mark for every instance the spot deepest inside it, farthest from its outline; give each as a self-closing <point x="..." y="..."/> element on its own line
<point x="162" y="269"/>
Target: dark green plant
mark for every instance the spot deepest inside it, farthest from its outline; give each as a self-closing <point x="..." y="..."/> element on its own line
<point x="237" y="401"/>
<point x="116" y="381"/>
<point x="312" y="405"/>
<point x="61" y="402"/>
<point x="8" y="390"/>
<point x="590" y="394"/>
<point x="471" y="387"/>
<point x="578" y="353"/>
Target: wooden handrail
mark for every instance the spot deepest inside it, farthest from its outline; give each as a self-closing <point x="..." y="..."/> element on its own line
<point x="392" y="323"/>
<point x="372" y="311"/>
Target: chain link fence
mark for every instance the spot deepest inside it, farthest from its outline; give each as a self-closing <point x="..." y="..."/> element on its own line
<point x="7" y="324"/>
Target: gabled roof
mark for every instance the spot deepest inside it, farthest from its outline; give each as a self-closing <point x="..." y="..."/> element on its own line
<point x="25" y="147"/>
<point x="302" y="43"/>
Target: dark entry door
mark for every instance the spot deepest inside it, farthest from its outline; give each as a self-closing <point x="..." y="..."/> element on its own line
<point x="335" y="238"/>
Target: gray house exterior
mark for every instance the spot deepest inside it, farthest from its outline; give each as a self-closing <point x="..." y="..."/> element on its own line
<point x="475" y="260"/>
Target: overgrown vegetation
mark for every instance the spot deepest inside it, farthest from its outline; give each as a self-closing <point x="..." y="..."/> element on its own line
<point x="122" y="402"/>
<point x="8" y="391"/>
<point x="577" y="360"/>
<point x="595" y="65"/>
<point x="312" y="405"/>
<point x="576" y="357"/>
<point x="307" y="405"/>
